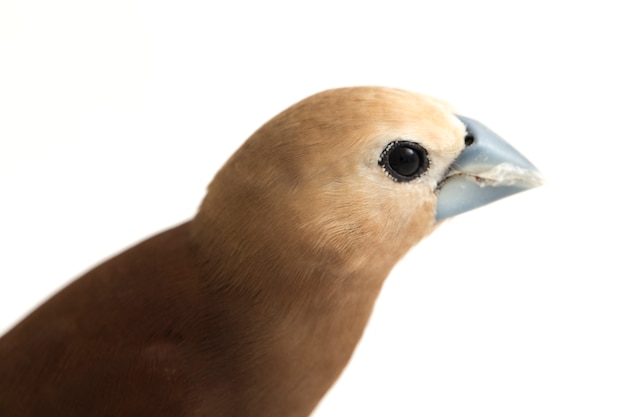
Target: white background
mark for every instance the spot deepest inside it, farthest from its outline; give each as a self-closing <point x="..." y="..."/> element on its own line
<point x="114" y="115"/>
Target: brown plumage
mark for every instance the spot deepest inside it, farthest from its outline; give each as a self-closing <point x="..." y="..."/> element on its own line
<point x="253" y="307"/>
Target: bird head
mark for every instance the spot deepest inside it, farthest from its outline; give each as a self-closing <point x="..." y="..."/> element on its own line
<point x="361" y="173"/>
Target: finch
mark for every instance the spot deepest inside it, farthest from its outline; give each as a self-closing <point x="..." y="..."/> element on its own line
<point x="254" y="306"/>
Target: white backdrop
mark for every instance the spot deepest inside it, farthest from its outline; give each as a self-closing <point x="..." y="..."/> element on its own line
<point x="114" y="115"/>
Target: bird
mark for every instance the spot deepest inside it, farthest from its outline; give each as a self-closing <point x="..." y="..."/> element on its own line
<point x="255" y="305"/>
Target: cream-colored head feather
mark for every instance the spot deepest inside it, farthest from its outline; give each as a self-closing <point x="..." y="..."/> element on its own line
<point x="311" y="177"/>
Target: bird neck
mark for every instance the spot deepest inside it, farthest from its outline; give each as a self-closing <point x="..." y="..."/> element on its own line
<point x="300" y="309"/>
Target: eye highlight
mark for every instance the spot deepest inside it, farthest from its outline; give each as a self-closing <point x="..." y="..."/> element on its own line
<point x="404" y="160"/>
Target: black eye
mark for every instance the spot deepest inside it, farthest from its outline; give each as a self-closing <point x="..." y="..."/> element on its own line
<point x="469" y="138"/>
<point x="403" y="160"/>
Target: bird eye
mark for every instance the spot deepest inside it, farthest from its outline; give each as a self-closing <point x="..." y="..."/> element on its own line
<point x="469" y="138"/>
<point x="403" y="160"/>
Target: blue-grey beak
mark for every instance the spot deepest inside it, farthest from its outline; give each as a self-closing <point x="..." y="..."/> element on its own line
<point x="487" y="170"/>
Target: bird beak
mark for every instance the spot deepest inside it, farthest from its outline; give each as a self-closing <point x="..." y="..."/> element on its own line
<point x="487" y="170"/>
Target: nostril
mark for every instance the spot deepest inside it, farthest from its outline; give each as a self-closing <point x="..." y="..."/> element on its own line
<point x="469" y="139"/>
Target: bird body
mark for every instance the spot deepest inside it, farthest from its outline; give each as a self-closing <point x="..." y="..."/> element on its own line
<point x="254" y="306"/>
